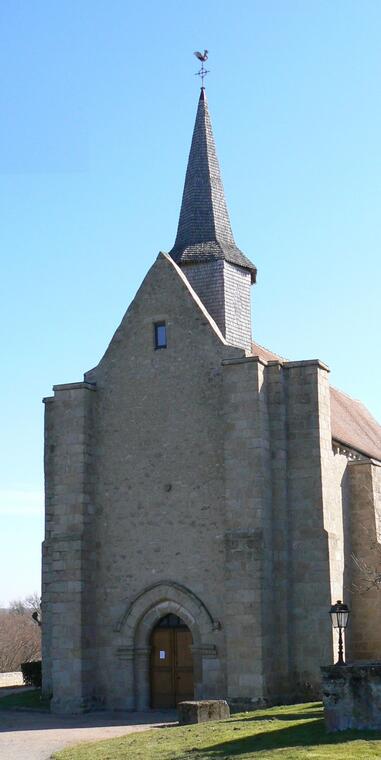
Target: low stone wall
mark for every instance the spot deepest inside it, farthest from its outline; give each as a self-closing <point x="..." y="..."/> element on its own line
<point x="352" y="696"/>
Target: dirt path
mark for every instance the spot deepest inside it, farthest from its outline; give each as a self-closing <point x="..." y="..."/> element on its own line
<point x="35" y="736"/>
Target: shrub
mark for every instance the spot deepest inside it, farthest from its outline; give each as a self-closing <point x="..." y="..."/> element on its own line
<point x="31" y="673"/>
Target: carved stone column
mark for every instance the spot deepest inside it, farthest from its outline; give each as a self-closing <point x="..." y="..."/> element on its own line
<point x="142" y="677"/>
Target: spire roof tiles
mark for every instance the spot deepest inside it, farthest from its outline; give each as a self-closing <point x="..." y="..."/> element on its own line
<point x="204" y="231"/>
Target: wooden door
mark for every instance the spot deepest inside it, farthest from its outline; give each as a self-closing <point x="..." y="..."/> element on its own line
<point x="171" y="667"/>
<point x="183" y="665"/>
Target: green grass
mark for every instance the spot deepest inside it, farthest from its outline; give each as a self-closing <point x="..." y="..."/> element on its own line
<point x="289" y="733"/>
<point x="28" y="699"/>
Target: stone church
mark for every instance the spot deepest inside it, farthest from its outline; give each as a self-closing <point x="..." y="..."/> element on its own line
<point x="204" y="496"/>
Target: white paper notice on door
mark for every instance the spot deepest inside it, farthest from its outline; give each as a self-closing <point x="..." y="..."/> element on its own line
<point x="162" y="654"/>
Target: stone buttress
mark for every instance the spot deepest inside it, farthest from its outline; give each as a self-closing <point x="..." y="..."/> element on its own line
<point x="68" y="551"/>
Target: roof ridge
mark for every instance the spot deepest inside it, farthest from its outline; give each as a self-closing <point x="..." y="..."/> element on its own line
<point x="282" y="358"/>
<point x="347" y="395"/>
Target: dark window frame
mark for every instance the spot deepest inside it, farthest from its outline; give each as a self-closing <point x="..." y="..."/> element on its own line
<point x="157" y="342"/>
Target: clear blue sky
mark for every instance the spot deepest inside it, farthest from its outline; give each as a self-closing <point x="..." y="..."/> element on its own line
<point x="98" y="101"/>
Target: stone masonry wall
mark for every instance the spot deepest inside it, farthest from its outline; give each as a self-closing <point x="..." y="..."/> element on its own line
<point x="279" y="673"/>
<point x="247" y="593"/>
<point x="285" y="529"/>
<point x="308" y="417"/>
<point x="352" y="696"/>
<point x="364" y="629"/>
<point x="200" y="480"/>
<point x="338" y="528"/>
<point x="334" y="505"/>
<point x="159" y="474"/>
<point x="67" y="631"/>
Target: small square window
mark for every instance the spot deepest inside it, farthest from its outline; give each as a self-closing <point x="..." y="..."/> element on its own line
<point x="160" y="335"/>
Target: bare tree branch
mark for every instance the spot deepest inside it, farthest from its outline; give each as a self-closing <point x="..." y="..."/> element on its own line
<point x="20" y="637"/>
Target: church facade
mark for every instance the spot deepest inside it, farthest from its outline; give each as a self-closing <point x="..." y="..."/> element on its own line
<point x="204" y="496"/>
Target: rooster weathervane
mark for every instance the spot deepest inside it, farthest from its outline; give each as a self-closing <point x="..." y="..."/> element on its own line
<point x="203" y="71"/>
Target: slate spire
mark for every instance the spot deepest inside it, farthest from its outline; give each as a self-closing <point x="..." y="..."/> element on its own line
<point x="204" y="232"/>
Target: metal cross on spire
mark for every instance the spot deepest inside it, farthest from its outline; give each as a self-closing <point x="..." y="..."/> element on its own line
<point x="203" y="71"/>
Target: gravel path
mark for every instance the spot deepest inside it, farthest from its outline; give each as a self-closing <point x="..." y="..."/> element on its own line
<point x="35" y="736"/>
<point x="11" y="679"/>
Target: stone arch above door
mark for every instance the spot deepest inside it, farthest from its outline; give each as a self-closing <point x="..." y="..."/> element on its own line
<point x="139" y="619"/>
<point x="158" y="600"/>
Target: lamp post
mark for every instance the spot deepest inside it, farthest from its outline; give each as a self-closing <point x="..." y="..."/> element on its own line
<point x="339" y="613"/>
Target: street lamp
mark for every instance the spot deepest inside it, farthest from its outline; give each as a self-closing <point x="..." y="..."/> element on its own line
<point x="339" y="613"/>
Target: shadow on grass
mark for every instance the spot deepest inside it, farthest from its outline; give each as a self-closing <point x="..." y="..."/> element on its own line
<point x="304" y="735"/>
<point x="25" y="700"/>
<point x="288" y="717"/>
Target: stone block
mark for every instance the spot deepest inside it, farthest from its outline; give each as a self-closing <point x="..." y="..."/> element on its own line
<point x="202" y="711"/>
<point x="352" y="696"/>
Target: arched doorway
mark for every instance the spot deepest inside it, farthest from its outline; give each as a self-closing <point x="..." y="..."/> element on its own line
<point x="171" y="665"/>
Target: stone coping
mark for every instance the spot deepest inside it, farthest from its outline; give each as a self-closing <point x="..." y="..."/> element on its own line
<point x="203" y="702"/>
<point x="286" y="365"/>
<point x="338" y="671"/>
<point x="75" y="386"/>
<point x="70" y="387"/>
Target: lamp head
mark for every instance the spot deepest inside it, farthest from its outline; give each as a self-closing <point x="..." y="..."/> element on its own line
<point x="339" y="613"/>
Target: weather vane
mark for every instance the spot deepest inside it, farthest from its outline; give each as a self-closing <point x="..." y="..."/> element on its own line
<point x="203" y="71"/>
